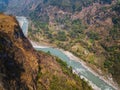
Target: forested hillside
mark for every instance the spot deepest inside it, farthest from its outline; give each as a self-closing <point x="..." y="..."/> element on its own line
<point x="90" y="30"/>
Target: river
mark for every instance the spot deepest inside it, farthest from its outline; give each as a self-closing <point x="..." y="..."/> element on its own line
<point x="79" y="69"/>
<point x="95" y="81"/>
<point x="23" y="22"/>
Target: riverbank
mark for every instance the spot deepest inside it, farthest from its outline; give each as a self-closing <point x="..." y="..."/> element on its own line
<point x="37" y="45"/>
<point x="72" y="57"/>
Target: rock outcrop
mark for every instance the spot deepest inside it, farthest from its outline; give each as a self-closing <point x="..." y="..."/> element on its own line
<point x="18" y="59"/>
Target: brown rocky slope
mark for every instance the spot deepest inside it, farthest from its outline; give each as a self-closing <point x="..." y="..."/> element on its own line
<point x="18" y="60"/>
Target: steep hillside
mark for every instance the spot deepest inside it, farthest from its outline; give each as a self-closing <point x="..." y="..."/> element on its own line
<point x="91" y="33"/>
<point x="55" y="75"/>
<point x="18" y="59"/>
<point x="23" y="68"/>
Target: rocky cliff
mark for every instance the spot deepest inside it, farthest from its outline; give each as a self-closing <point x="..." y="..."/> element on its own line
<point x="18" y="60"/>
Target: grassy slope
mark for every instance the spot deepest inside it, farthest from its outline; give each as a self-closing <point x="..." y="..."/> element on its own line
<point x="55" y="75"/>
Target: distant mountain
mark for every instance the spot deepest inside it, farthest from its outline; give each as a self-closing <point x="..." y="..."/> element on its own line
<point x="23" y="6"/>
<point x="3" y="5"/>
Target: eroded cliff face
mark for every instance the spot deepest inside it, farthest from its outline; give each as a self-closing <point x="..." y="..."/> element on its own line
<point x="18" y="60"/>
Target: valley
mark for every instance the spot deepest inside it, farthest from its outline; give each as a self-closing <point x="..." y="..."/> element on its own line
<point x="78" y="66"/>
<point x="89" y="29"/>
<point x="92" y="34"/>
